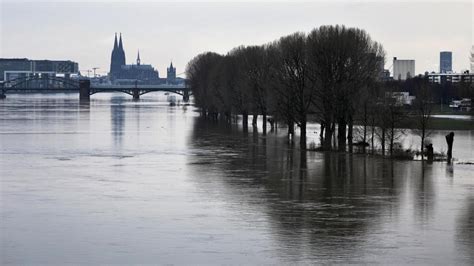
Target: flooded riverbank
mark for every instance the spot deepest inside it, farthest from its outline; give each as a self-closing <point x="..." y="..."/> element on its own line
<point x="117" y="181"/>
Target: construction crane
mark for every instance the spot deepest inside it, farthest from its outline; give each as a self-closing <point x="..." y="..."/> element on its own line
<point x="88" y="72"/>
<point x="95" y="68"/>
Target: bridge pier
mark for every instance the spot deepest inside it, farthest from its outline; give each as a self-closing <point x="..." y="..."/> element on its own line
<point x="136" y="94"/>
<point x="186" y="95"/>
<point x="2" y="92"/>
<point x="84" y="89"/>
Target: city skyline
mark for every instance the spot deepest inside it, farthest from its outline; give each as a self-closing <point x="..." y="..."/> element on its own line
<point x="165" y="32"/>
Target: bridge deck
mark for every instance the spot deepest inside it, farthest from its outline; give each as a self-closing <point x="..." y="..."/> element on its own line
<point x="140" y="87"/>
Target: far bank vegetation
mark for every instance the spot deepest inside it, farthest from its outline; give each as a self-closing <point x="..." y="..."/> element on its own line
<point x="331" y="75"/>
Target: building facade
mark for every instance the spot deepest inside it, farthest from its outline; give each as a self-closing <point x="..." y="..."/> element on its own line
<point x="22" y="67"/>
<point x="400" y="98"/>
<point x="403" y="69"/>
<point x="171" y="74"/>
<point x="445" y="62"/>
<point x="442" y="78"/>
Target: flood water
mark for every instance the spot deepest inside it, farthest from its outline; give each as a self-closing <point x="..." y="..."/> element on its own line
<point x="117" y="181"/>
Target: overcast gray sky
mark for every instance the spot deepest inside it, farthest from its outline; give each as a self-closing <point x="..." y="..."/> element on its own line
<point x="83" y="31"/>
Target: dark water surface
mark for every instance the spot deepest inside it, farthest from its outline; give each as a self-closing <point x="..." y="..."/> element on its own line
<point x="117" y="181"/>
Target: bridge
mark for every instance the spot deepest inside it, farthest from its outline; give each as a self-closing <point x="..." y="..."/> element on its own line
<point x="50" y="84"/>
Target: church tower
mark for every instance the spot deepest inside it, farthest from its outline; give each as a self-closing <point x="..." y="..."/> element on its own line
<point x="117" y="58"/>
<point x="121" y="52"/>
<point x="171" y="74"/>
<point x="113" y="61"/>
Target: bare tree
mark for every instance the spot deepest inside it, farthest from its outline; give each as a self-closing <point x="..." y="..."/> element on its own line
<point x="242" y="97"/>
<point x="344" y="60"/>
<point x="198" y="72"/>
<point x="423" y="107"/>
<point x="296" y="88"/>
<point x="324" y="73"/>
<point x="258" y="67"/>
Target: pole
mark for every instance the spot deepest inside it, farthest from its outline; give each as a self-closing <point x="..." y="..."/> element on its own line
<point x="449" y="141"/>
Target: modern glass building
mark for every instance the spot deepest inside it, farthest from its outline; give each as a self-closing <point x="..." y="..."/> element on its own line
<point x="445" y="62"/>
<point x="11" y="68"/>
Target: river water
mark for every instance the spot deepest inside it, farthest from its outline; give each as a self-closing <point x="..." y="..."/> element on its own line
<point x="117" y="181"/>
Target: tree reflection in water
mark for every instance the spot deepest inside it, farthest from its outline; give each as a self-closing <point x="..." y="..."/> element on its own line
<point x="328" y="206"/>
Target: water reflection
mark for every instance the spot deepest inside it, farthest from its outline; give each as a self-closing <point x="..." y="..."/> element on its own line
<point x="319" y="205"/>
<point x="117" y="118"/>
<point x="143" y="182"/>
<point x="465" y="229"/>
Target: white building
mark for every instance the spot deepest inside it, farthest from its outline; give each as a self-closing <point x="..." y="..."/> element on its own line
<point x="462" y="105"/>
<point x="400" y="98"/>
<point x="403" y="69"/>
<point x="450" y="77"/>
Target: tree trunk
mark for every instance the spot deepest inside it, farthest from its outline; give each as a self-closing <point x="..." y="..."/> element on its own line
<point x="365" y="126"/>
<point x="303" y="134"/>
<point x="327" y="136"/>
<point x="392" y="137"/>
<point x="422" y="143"/>
<point x="349" y="133"/>
<point x="373" y="135"/>
<point x="383" y="141"/>
<point x="245" y="121"/>
<point x="254" y="120"/>
<point x="264" y="125"/>
<point x="321" y="133"/>
<point x="341" y="135"/>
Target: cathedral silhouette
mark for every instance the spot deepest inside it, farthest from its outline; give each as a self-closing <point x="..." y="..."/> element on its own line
<point x="121" y="73"/>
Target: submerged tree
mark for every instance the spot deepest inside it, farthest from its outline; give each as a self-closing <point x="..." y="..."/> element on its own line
<point x="423" y="107"/>
<point x="343" y="60"/>
<point x="296" y="89"/>
<point x="198" y="72"/>
<point x="325" y="73"/>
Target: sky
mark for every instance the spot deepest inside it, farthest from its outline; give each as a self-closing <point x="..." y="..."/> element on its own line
<point x="165" y="31"/>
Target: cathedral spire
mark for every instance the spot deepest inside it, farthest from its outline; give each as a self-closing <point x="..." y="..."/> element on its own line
<point x="121" y="52"/>
<point x="120" y="42"/>
<point x="115" y="42"/>
<point x="138" y="58"/>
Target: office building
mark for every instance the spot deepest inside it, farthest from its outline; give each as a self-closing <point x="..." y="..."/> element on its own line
<point x="403" y="69"/>
<point x="12" y="68"/>
<point x="445" y="62"/>
<point x="442" y="78"/>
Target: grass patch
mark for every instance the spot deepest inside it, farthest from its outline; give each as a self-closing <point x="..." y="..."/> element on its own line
<point x="437" y="123"/>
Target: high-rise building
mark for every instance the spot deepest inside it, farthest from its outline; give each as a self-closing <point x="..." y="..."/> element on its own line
<point x="403" y="69"/>
<point x="445" y="62"/>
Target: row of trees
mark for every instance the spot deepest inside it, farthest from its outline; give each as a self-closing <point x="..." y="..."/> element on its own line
<point x="329" y="73"/>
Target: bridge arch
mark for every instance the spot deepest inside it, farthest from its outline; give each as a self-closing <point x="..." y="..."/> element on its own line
<point x="26" y="83"/>
<point x="49" y="83"/>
